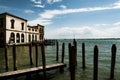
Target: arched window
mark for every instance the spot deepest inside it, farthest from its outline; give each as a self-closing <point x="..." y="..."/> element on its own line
<point x="35" y="37"/>
<point x="32" y="37"/>
<point x="12" y="23"/>
<point x="29" y="38"/>
<point x="22" y="37"/>
<point x="12" y="38"/>
<point x="18" y="38"/>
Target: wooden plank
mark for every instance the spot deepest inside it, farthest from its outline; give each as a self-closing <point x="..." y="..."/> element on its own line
<point x="17" y="73"/>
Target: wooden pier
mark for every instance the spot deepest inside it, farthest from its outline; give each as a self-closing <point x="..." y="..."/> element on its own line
<point x="17" y="73"/>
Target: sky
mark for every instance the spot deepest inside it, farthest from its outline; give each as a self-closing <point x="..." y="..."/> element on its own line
<point x="68" y="19"/>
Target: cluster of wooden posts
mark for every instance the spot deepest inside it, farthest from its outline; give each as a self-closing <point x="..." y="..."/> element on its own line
<point x="43" y="68"/>
<point x="73" y="60"/>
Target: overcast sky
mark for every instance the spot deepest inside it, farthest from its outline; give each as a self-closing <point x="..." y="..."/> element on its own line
<point x="69" y="18"/>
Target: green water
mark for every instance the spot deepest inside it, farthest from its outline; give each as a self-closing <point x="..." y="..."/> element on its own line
<point x="87" y="74"/>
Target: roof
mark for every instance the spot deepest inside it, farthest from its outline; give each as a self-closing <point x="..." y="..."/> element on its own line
<point x="13" y="16"/>
<point x="35" y="26"/>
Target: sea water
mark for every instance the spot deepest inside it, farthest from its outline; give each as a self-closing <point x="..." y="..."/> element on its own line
<point x="104" y="46"/>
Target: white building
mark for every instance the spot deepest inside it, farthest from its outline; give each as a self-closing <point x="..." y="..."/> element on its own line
<point x="14" y="29"/>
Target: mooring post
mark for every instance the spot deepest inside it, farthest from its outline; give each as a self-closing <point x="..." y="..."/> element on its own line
<point x="57" y="49"/>
<point x="62" y="60"/>
<point x="30" y="54"/>
<point x="95" y="72"/>
<point x="14" y="57"/>
<point x="43" y="61"/>
<point x="69" y="51"/>
<point x="36" y="52"/>
<point x="6" y="58"/>
<point x="113" y="60"/>
<point x="83" y="56"/>
<point x="72" y="62"/>
<point x="75" y="45"/>
<point x="63" y="52"/>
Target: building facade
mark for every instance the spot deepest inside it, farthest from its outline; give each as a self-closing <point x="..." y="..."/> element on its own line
<point x="14" y="29"/>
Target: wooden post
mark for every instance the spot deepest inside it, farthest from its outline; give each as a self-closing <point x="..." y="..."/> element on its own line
<point x="57" y="49"/>
<point x="14" y="58"/>
<point x="62" y="60"/>
<point x="30" y="54"/>
<point x="36" y="52"/>
<point x="72" y="62"/>
<point x="113" y="60"/>
<point x="43" y="61"/>
<point x="63" y="52"/>
<point x="69" y="48"/>
<point x="83" y="56"/>
<point x="95" y="72"/>
<point x="75" y="45"/>
<point x="6" y="58"/>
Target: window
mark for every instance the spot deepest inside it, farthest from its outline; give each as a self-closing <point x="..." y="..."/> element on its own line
<point x="18" y="38"/>
<point x="22" y="37"/>
<point x="22" y="25"/>
<point x="12" y="38"/>
<point x="1" y="22"/>
<point x="32" y="29"/>
<point x="29" y="37"/>
<point x="29" y="29"/>
<point x="35" y="37"/>
<point x="32" y="37"/>
<point x="12" y="23"/>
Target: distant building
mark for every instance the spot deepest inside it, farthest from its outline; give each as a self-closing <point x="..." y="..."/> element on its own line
<point x="14" y="29"/>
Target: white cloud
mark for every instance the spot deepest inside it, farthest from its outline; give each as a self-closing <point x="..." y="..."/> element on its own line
<point x="85" y="32"/>
<point x="38" y="3"/>
<point x="40" y="21"/>
<point x="29" y="11"/>
<point x="53" y="1"/>
<point x="52" y="13"/>
<point x="40" y="6"/>
<point x="63" y="7"/>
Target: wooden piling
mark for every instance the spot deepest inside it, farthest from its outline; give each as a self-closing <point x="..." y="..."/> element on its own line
<point x="43" y="61"/>
<point x="30" y="54"/>
<point x="75" y="45"/>
<point x="69" y="51"/>
<point x="63" y="52"/>
<point x="72" y="62"/>
<point x="113" y="60"/>
<point x="83" y="56"/>
<point x="95" y="72"/>
<point x="6" y="58"/>
<point x="62" y="60"/>
<point x="57" y="49"/>
<point x="14" y="57"/>
<point x="36" y="54"/>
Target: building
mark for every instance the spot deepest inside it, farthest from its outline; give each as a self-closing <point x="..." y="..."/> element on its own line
<point x="14" y="29"/>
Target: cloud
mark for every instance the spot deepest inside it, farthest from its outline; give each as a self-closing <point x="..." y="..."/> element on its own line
<point x="63" y="7"/>
<point x="53" y="1"/>
<point x="40" y="21"/>
<point x="39" y="6"/>
<point x="29" y="11"/>
<point x="52" y="13"/>
<point x="38" y="3"/>
<point x="93" y="31"/>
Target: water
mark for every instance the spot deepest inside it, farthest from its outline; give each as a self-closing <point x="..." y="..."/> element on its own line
<point x="87" y="74"/>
